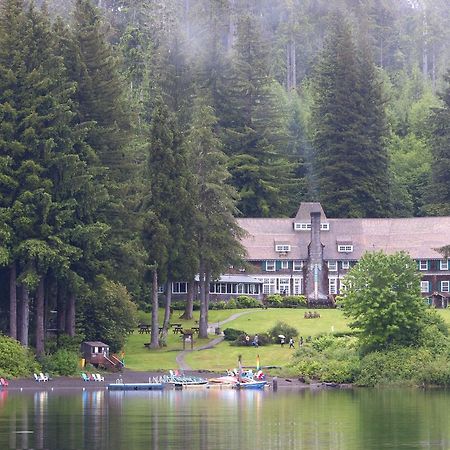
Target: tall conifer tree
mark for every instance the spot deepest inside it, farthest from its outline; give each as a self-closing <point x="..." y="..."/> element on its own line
<point x="349" y="126"/>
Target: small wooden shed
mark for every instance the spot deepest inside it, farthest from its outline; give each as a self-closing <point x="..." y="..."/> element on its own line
<point x="438" y="300"/>
<point x="94" y="352"/>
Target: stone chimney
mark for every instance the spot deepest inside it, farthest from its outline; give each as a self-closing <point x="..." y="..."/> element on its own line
<point x="315" y="270"/>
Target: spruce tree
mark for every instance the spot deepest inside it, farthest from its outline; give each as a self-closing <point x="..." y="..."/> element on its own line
<point x="349" y="126"/>
<point x="255" y="128"/>
<point x="215" y="227"/>
<point x="439" y="189"/>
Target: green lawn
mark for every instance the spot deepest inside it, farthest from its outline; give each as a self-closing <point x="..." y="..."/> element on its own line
<point x="224" y="356"/>
<point x="137" y="357"/>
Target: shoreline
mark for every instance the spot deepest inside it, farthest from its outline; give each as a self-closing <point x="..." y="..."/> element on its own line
<point x="73" y="383"/>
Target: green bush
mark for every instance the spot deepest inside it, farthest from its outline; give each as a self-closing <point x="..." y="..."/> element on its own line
<point x="219" y="305"/>
<point x="287" y="301"/>
<point x="437" y="372"/>
<point x="231" y="334"/>
<point x="284" y="329"/>
<point x="63" y="362"/>
<point x="15" y="360"/>
<point x="263" y="339"/>
<point x="322" y="342"/>
<point x="231" y="304"/>
<point x="245" y="301"/>
<point x="64" y="341"/>
<point x="396" y="366"/>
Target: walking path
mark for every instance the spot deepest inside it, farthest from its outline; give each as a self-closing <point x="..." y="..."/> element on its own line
<point x="180" y="357"/>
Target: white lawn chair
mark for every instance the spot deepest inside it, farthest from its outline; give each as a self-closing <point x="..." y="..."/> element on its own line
<point x="98" y="377"/>
<point x="36" y="377"/>
<point x="43" y="377"/>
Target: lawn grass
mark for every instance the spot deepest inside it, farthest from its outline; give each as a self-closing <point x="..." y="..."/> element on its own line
<point x="224" y="356"/>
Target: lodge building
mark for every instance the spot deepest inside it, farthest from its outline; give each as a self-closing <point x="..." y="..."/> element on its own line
<point x="310" y="254"/>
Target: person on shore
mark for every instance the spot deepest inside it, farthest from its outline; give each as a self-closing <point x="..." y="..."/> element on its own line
<point x="282" y="342"/>
<point x="255" y="342"/>
<point x="247" y="339"/>
<point x="291" y="343"/>
<point x="301" y="341"/>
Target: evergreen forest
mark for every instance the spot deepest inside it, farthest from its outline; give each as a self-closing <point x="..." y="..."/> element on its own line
<point x="133" y="133"/>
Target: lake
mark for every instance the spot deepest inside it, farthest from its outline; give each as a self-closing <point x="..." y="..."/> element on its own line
<point x="226" y="419"/>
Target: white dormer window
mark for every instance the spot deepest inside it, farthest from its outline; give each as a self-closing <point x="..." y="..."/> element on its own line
<point x="270" y="266"/>
<point x="285" y="264"/>
<point x="444" y="264"/>
<point x="332" y="266"/>
<point x="297" y="266"/>
<point x="282" y="248"/>
<point x="302" y="226"/>
<point x="423" y="264"/>
<point x="345" y="248"/>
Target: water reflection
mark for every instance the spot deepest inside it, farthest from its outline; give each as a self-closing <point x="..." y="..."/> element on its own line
<point x="224" y="419"/>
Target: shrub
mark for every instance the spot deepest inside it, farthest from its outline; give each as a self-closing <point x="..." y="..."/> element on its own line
<point x="63" y="362"/>
<point x="15" y="361"/>
<point x="219" y="305"/>
<point x="284" y="329"/>
<point x="231" y="334"/>
<point x="395" y="366"/>
<point x="288" y="301"/>
<point x="64" y="341"/>
<point x="245" y="301"/>
<point x="263" y="339"/>
<point x="322" y="342"/>
<point x="231" y="304"/>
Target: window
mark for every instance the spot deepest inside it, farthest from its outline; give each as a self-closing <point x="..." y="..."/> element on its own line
<point x="302" y="226"/>
<point x="332" y="285"/>
<point x="179" y="288"/>
<point x="346" y="264"/>
<point x="282" y="248"/>
<point x="423" y="264"/>
<point x="285" y="264"/>
<point x="297" y="266"/>
<point x="160" y="289"/>
<point x="284" y="286"/>
<point x="332" y="266"/>
<point x="345" y="248"/>
<point x="307" y="226"/>
<point x="424" y="286"/>
<point x="445" y="286"/>
<point x="269" y="285"/>
<point x="270" y="266"/>
<point x="298" y="286"/>
<point x="444" y="264"/>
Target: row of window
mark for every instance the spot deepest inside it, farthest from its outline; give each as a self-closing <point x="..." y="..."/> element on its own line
<point x="426" y="285"/>
<point x="425" y="264"/>
<point x="280" y="285"/>
<point x="304" y="226"/>
<point x="341" y="248"/>
<point x="297" y="266"/>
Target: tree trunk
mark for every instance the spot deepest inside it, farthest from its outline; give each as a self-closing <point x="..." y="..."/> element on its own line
<point x="154" y="343"/>
<point x="425" y="46"/>
<point x="203" y="322"/>
<point x="187" y="8"/>
<point x="70" y="315"/>
<point x="13" y="301"/>
<point x="61" y="311"/>
<point x="167" y="310"/>
<point x="24" y="316"/>
<point x="207" y="281"/>
<point x="189" y="308"/>
<point x="39" y="318"/>
<point x="231" y="25"/>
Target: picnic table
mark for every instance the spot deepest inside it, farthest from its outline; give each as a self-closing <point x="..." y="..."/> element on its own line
<point x="196" y="329"/>
<point x="177" y="328"/>
<point x="144" y="328"/>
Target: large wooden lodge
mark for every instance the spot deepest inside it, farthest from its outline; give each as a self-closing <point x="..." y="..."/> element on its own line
<point x="310" y="254"/>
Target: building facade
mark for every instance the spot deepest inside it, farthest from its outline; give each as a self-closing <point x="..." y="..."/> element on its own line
<point x="310" y="254"/>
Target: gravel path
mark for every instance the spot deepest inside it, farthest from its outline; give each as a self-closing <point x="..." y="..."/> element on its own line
<point x="182" y="365"/>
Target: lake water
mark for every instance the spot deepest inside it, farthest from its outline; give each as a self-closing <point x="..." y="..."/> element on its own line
<point x="226" y="419"/>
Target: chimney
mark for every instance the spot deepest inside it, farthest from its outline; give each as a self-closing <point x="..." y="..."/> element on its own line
<point x="315" y="254"/>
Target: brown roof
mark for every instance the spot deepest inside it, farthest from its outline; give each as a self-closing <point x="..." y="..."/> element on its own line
<point x="306" y="208"/>
<point x="418" y="236"/>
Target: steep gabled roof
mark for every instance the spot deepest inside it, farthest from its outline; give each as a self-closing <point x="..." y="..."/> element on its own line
<point x="305" y="210"/>
<point x="418" y="236"/>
